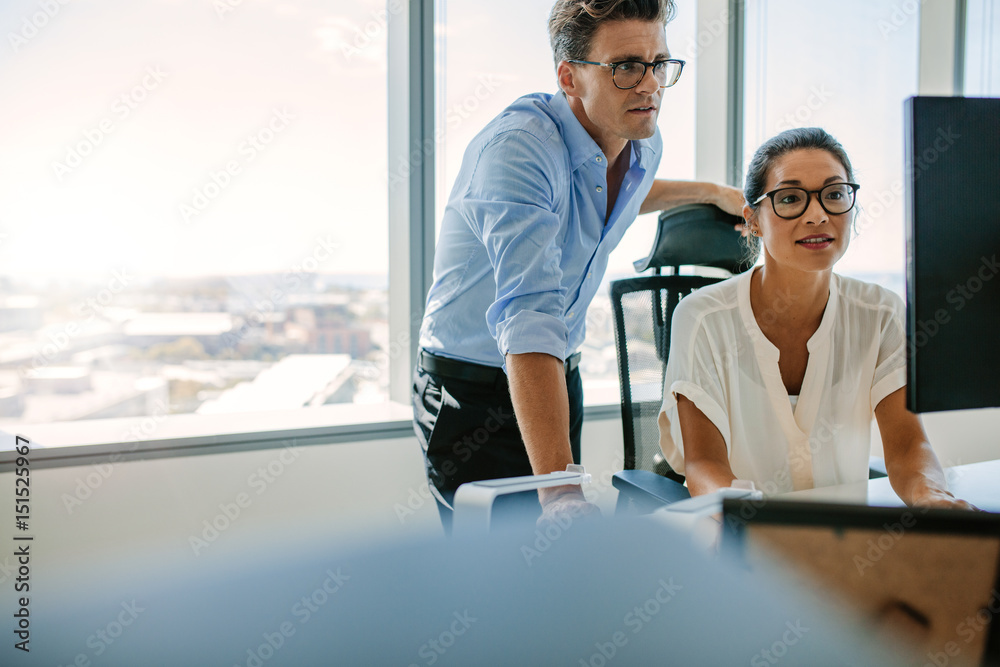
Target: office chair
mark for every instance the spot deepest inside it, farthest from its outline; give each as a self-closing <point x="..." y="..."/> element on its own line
<point x="696" y="235"/>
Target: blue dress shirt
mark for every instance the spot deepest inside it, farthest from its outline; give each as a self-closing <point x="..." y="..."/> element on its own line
<point x="523" y="245"/>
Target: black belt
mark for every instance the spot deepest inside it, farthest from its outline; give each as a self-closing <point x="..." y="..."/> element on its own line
<point x="470" y="372"/>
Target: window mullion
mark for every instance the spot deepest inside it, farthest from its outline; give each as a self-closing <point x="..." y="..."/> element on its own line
<point x="941" y="46"/>
<point x="411" y="182"/>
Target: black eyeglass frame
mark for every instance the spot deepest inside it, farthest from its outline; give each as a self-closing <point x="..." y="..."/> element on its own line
<point x="645" y="67"/>
<point x="809" y="193"/>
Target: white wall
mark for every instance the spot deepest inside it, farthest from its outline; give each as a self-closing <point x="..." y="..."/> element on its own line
<point x="362" y="491"/>
<point x="960" y="437"/>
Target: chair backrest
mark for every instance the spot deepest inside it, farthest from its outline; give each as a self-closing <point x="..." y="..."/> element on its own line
<point x="642" y="310"/>
<point x="699" y="235"/>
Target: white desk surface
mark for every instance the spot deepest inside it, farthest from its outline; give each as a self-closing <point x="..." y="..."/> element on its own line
<point x="979" y="483"/>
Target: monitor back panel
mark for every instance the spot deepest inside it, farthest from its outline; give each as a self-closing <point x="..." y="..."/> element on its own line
<point x="953" y="253"/>
<point x="929" y="578"/>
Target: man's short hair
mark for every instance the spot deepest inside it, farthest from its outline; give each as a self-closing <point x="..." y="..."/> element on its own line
<point x="572" y="23"/>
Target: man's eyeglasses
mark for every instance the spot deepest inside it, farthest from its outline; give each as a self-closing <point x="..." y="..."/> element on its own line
<point x="788" y="203"/>
<point x="628" y="73"/>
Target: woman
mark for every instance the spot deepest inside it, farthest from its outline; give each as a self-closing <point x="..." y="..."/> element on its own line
<point x="773" y="375"/>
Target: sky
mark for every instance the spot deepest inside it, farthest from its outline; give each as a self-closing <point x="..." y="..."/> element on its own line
<point x="216" y="137"/>
<point x="320" y="178"/>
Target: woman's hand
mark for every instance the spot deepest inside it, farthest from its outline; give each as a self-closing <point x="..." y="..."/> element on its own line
<point x="914" y="471"/>
<point x="937" y="499"/>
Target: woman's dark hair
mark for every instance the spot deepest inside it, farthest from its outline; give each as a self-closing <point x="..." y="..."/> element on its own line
<point x="572" y="23"/>
<point x="780" y="145"/>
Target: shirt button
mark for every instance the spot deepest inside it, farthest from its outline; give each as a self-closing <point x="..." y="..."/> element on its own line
<point x="600" y="189"/>
<point x="571" y="314"/>
<point x="600" y="159"/>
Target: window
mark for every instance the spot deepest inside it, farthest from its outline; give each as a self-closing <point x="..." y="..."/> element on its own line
<point x="485" y="60"/>
<point x="982" y="43"/>
<point x="847" y="71"/>
<point x="194" y="211"/>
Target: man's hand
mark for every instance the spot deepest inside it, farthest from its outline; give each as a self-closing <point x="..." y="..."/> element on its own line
<point x="665" y="195"/>
<point x="730" y="200"/>
<point x="562" y="505"/>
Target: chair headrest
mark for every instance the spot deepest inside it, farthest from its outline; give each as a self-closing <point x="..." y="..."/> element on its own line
<point x="698" y="235"/>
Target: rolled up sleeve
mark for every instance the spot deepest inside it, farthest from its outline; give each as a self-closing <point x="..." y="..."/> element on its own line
<point x="510" y="205"/>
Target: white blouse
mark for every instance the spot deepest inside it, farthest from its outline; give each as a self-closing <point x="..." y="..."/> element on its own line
<point x="722" y="362"/>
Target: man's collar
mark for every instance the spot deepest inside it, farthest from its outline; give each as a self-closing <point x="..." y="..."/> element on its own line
<point x="582" y="147"/>
<point x="645" y="151"/>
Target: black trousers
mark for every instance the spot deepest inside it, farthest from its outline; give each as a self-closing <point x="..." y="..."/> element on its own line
<point x="465" y="423"/>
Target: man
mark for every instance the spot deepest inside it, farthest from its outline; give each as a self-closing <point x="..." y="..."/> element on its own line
<point x="545" y="192"/>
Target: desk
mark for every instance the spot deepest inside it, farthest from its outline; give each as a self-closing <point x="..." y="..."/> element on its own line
<point x="978" y="483"/>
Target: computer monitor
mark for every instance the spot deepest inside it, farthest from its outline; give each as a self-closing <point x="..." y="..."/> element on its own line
<point x="952" y="252"/>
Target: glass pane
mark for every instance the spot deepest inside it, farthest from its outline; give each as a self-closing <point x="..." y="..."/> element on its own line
<point x="479" y="74"/>
<point x="849" y="74"/>
<point x="486" y="59"/>
<point x="194" y="211"/>
<point x="982" y="49"/>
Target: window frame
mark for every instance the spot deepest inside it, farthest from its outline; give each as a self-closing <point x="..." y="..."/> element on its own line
<point x="411" y="99"/>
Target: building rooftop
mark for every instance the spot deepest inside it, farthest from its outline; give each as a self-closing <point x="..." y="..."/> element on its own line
<point x="296" y="381"/>
<point x="179" y="324"/>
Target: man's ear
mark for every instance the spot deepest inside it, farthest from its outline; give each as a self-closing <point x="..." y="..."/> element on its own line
<point x="566" y="76"/>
